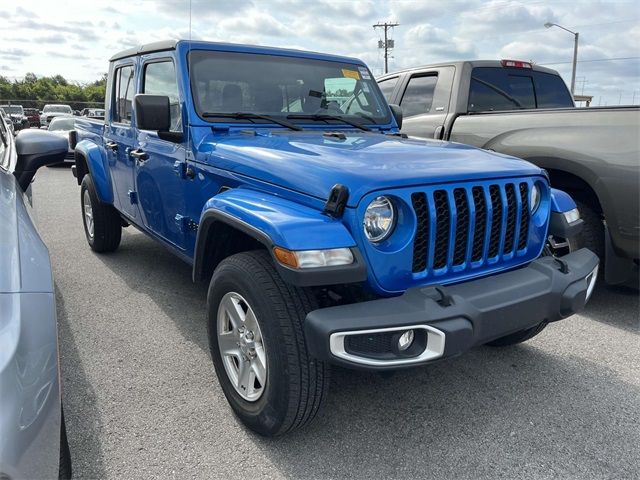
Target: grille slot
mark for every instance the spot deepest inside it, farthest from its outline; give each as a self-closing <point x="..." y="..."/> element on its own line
<point x="470" y="224"/>
<point x="421" y="240"/>
<point x="481" y="223"/>
<point x="524" y="216"/>
<point x="510" y="231"/>
<point x="462" y="226"/>
<point x="443" y="224"/>
<point x="496" y="224"/>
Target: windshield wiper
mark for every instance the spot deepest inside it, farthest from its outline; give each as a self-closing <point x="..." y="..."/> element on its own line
<point x="326" y="116"/>
<point x="251" y="116"/>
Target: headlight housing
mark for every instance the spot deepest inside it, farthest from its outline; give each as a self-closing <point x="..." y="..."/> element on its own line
<point x="379" y="219"/>
<point x="536" y="196"/>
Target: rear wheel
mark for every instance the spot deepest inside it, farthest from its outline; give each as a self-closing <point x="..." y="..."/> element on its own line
<point x="102" y="223"/>
<point x="592" y="235"/>
<point x="258" y="346"/>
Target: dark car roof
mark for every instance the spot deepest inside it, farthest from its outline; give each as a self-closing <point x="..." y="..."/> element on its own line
<point x="165" y="45"/>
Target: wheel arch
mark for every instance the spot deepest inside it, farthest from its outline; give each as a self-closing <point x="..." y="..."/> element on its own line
<point x="90" y="159"/>
<point x="242" y="219"/>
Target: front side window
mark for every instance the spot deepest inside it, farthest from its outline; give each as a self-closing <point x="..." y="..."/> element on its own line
<point x="160" y="79"/>
<point x="283" y="87"/>
<point x="123" y="90"/>
<point x="387" y="86"/>
<point x="418" y="96"/>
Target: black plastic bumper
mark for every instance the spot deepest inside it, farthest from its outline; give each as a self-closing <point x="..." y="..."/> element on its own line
<point x="467" y="314"/>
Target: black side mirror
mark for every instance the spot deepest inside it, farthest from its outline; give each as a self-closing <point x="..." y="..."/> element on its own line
<point x="35" y="149"/>
<point x="396" y="110"/>
<point x="152" y="112"/>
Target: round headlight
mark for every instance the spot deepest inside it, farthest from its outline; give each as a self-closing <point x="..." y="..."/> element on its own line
<point x="536" y="196"/>
<point x="379" y="219"/>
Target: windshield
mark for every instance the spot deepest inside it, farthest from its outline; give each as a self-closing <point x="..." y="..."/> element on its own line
<point x="278" y="86"/>
<point x="64" y="123"/>
<point x="13" y="109"/>
<point x="57" y="109"/>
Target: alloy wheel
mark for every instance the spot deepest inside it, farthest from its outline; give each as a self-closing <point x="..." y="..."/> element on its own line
<point x="241" y="346"/>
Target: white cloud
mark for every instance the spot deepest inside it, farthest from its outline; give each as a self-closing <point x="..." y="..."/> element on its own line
<point x="39" y="36"/>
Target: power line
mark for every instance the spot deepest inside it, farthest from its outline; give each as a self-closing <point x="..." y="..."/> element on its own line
<point x="592" y="60"/>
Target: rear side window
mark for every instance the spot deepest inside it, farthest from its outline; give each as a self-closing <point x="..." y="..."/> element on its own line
<point x="387" y="86"/>
<point x="497" y="89"/>
<point x="418" y="96"/>
<point x="123" y="90"/>
<point x="160" y="79"/>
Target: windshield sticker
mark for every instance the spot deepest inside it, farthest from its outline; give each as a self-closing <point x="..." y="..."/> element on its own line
<point x="350" y="74"/>
<point x="316" y="93"/>
<point x="365" y="87"/>
<point x="365" y="73"/>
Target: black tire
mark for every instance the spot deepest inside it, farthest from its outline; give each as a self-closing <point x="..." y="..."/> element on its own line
<point x="64" y="467"/>
<point x="592" y="235"/>
<point x="107" y="225"/>
<point x="296" y="384"/>
<point x="518" y="337"/>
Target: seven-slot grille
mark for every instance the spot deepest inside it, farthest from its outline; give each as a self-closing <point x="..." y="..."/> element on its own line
<point x="468" y="226"/>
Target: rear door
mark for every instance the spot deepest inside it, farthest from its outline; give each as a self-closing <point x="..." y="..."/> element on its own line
<point x="160" y="179"/>
<point x="424" y="98"/>
<point x="119" y="137"/>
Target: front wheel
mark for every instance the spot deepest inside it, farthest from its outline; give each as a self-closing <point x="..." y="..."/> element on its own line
<point x="102" y="223"/>
<point x="258" y="346"/>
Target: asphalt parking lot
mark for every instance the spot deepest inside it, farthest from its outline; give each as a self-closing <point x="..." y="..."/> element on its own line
<point x="142" y="400"/>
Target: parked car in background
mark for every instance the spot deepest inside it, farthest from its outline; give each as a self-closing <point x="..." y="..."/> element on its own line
<point x="49" y="112"/>
<point x="525" y="110"/>
<point x="325" y="237"/>
<point x="62" y="127"/>
<point x="7" y="121"/>
<point x="33" y="440"/>
<point x="93" y="112"/>
<point x="17" y="116"/>
<point x="33" y="116"/>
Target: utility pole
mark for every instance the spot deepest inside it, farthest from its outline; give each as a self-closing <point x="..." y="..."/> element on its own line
<point x="388" y="43"/>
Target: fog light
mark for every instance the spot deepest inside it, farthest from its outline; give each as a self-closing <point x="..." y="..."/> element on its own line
<point x="572" y="215"/>
<point x="405" y="340"/>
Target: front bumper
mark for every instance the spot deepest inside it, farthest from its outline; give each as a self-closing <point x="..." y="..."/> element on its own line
<point x="453" y="319"/>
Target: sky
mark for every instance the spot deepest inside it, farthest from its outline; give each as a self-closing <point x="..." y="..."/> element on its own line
<point x="76" y="38"/>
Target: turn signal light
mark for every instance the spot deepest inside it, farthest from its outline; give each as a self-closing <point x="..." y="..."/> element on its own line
<point x="302" y="259"/>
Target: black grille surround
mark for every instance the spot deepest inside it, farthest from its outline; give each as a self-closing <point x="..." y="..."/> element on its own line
<point x="474" y="225"/>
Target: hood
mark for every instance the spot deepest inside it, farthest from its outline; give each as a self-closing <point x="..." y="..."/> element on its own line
<point x="24" y="259"/>
<point x="311" y="163"/>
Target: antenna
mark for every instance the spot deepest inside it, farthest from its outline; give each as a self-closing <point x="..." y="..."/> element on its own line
<point x="388" y="43"/>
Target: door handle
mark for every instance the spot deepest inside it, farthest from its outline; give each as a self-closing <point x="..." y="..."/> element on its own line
<point x="140" y="155"/>
<point x="113" y="146"/>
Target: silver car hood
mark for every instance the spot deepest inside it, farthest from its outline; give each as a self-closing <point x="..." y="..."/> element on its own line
<point x="24" y="259"/>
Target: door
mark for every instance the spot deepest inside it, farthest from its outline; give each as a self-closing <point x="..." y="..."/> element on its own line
<point x="425" y="102"/>
<point x="159" y="177"/>
<point x="119" y="139"/>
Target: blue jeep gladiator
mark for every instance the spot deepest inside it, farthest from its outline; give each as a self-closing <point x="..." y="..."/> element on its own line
<point x="325" y="235"/>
